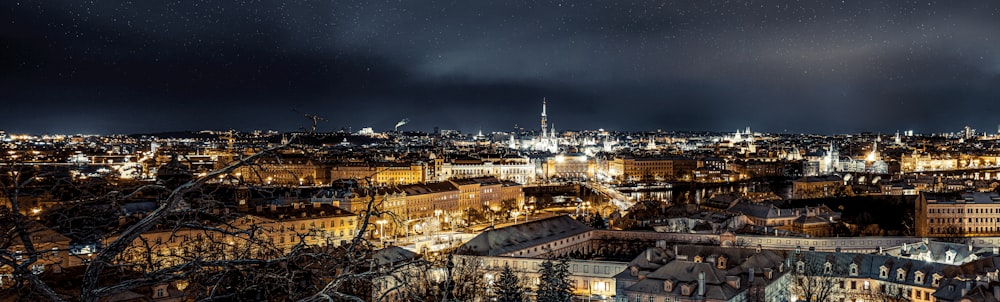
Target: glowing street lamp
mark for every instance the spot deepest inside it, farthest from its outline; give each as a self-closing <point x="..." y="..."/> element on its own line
<point x="381" y="230"/>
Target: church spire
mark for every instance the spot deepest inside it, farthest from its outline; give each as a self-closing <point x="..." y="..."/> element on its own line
<point x="543" y="107"/>
<point x="544" y="118"/>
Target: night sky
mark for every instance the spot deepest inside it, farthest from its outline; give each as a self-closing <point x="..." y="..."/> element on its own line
<point x="106" y="66"/>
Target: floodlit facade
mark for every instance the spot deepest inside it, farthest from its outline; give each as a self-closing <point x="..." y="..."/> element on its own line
<point x="957" y="214"/>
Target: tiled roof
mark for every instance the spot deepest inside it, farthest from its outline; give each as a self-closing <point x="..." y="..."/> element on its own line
<point x="504" y="240"/>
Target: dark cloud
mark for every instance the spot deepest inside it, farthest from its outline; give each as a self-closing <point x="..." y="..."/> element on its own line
<point x="804" y="66"/>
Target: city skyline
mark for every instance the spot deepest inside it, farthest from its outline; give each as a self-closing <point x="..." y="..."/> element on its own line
<point x="806" y="67"/>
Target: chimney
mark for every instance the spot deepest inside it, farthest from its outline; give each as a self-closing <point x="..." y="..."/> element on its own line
<point x="768" y="274"/>
<point x="634" y="271"/>
<point x="750" y="277"/>
<point x="733" y="281"/>
<point x="649" y="256"/>
<point x="701" y="284"/>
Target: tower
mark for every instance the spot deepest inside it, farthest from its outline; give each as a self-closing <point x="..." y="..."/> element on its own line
<point x="834" y="158"/>
<point x="873" y="155"/>
<point x="544" y="118"/>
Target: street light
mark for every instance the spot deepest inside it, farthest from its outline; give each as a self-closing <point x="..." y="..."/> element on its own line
<point x="381" y="230"/>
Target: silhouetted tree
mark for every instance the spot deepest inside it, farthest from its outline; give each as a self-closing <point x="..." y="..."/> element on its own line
<point x="816" y="277"/>
<point x="597" y="222"/>
<point x="507" y="287"/>
<point x="201" y="247"/>
<point x="554" y="283"/>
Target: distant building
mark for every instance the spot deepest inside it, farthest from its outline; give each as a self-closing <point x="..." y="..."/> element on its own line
<point x="813" y="221"/>
<point x="547" y="140"/>
<point x="570" y="166"/>
<point x="919" y="162"/>
<point x="381" y="173"/>
<point x="519" y="169"/>
<point x="818" y="187"/>
<point x="957" y="214"/>
<point x="283" y="169"/>
<point x="653" y="168"/>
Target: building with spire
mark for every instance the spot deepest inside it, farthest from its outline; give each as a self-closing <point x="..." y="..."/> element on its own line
<point x="544" y="117"/>
<point x="547" y="140"/>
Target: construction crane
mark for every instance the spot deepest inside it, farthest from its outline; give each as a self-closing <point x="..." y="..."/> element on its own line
<point x="315" y="120"/>
<point x="230" y="137"/>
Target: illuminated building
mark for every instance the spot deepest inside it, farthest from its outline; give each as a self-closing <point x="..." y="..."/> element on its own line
<point x="423" y="199"/>
<point x="523" y="248"/>
<point x="52" y="251"/>
<point x="380" y="173"/>
<point x="919" y="162"/>
<point x="477" y="192"/>
<point x="285" y="169"/>
<point x="652" y="168"/>
<point x="818" y="187"/>
<point x="572" y="166"/>
<point x="281" y="227"/>
<point x="957" y="214"/>
<point x="519" y="169"/>
<point x="547" y="141"/>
